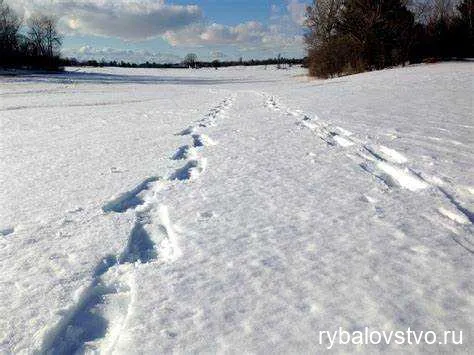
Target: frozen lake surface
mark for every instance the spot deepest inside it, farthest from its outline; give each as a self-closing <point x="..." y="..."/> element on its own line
<point x="241" y="210"/>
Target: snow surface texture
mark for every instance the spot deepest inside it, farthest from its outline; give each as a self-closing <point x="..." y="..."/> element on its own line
<point x="239" y="210"/>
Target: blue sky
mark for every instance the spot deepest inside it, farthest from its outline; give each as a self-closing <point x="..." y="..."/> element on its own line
<point x="165" y="30"/>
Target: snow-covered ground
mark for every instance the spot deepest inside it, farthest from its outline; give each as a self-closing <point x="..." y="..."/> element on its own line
<point x="242" y="210"/>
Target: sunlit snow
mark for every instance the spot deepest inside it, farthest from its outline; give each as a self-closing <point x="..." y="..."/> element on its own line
<point x="239" y="210"/>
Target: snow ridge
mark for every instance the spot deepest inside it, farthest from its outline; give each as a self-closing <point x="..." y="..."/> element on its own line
<point x="99" y="316"/>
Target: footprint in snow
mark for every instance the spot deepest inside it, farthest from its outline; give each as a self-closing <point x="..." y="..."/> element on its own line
<point x="184" y="152"/>
<point x="6" y="231"/>
<point x="205" y="216"/>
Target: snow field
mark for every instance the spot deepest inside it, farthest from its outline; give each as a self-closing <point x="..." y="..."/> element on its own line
<point x="232" y="214"/>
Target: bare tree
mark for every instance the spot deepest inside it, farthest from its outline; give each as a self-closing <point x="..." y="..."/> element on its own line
<point x="420" y="9"/>
<point x="36" y="46"/>
<point x="466" y="10"/>
<point x="43" y="36"/>
<point x="322" y="18"/>
<point x="190" y="60"/>
<point x="443" y="9"/>
<point x="426" y="11"/>
<point x="10" y="25"/>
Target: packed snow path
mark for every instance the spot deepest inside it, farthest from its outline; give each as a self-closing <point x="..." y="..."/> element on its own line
<point x="237" y="218"/>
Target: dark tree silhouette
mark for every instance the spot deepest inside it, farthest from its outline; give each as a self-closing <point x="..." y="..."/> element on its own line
<point x="10" y="25"/>
<point x="348" y="36"/>
<point x="36" y="46"/>
<point x="43" y="36"/>
<point x="190" y="60"/>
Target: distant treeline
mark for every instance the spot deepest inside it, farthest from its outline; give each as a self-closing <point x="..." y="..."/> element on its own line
<point x="31" y="45"/>
<point x="36" y="44"/>
<point x="280" y="62"/>
<point x="350" y="36"/>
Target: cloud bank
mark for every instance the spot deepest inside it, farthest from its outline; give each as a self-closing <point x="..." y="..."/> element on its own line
<point x="182" y="26"/>
<point x="283" y="31"/>
<point x="124" y="19"/>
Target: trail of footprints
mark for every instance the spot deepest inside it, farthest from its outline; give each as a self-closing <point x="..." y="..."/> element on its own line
<point x="386" y="165"/>
<point x="96" y="321"/>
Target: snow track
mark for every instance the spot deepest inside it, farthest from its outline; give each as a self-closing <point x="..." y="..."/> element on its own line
<point x="6" y="231"/>
<point x="90" y="325"/>
<point x="184" y="152"/>
<point x="129" y="199"/>
<point x="234" y="211"/>
<point x="98" y="319"/>
<point x="386" y="165"/>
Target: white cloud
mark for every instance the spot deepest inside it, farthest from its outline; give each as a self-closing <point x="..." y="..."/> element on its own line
<point x="216" y="34"/>
<point x="179" y="25"/>
<point x="246" y="36"/>
<point x="217" y="55"/>
<point x="125" y="19"/>
<point x="111" y="54"/>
